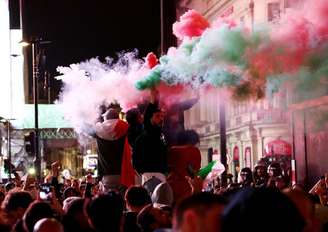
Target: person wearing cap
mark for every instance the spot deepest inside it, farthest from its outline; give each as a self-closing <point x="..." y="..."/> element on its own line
<point x="111" y="145"/>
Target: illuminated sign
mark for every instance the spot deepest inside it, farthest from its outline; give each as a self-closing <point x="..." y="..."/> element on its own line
<point x="90" y="162"/>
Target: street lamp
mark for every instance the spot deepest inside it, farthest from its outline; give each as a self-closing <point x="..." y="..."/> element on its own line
<point x="35" y="45"/>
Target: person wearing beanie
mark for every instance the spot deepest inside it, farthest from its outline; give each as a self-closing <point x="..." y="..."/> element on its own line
<point x="163" y="195"/>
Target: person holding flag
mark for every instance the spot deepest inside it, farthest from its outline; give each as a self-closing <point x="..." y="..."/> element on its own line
<point x="114" y="152"/>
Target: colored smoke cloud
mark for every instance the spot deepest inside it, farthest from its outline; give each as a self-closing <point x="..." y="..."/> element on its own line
<point x="191" y="24"/>
<point x="249" y="64"/>
<point x="89" y="84"/>
<point x="222" y="54"/>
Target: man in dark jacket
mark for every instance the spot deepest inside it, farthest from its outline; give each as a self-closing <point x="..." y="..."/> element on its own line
<point x="135" y="119"/>
<point x="150" y="150"/>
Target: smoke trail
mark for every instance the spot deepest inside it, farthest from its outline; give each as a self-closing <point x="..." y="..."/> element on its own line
<point x="222" y="54"/>
<point x="249" y="64"/>
<point x="89" y="84"/>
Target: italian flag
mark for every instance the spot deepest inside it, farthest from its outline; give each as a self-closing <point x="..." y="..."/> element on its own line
<point x="211" y="171"/>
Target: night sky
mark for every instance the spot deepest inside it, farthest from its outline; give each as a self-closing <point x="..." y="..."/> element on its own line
<point x="81" y="29"/>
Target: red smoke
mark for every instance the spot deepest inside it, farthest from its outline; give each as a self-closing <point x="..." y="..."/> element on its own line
<point x="191" y="24"/>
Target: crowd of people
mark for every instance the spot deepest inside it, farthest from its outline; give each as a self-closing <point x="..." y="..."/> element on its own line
<point x="87" y="205"/>
<point x="148" y="181"/>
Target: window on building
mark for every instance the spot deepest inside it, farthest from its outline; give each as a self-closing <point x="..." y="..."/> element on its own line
<point x="238" y="121"/>
<point x="260" y="104"/>
<point x="244" y="107"/>
<point x="235" y="109"/>
<point x="217" y="126"/>
<point x="248" y="158"/>
<point x="273" y="11"/>
<point x="270" y="103"/>
<point x="228" y="124"/>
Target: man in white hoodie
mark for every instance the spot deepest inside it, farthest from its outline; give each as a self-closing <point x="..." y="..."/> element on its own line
<point x="111" y="139"/>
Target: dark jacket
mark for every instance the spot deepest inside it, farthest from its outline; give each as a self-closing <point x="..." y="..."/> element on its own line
<point x="134" y="132"/>
<point x="149" y="153"/>
<point x="110" y="137"/>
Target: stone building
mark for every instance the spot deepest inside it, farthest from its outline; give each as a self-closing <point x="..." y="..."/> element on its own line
<point x="251" y="127"/>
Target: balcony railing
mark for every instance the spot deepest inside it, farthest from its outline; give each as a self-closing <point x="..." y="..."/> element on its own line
<point x="262" y="116"/>
<point x="271" y="116"/>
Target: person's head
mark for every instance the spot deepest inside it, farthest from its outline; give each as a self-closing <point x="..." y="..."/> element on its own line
<point x="70" y="192"/>
<point x="68" y="202"/>
<point x="75" y="183"/>
<point x="48" y="225"/>
<point x="188" y="137"/>
<point x="246" y="175"/>
<point x="274" y="170"/>
<point x="82" y="188"/>
<point x="68" y="182"/>
<point x="111" y="113"/>
<point x="134" y="116"/>
<point x="74" y="218"/>
<point x="36" y="211"/>
<point x="105" y="212"/>
<point x="260" y="171"/>
<point x="157" y="118"/>
<point x="151" y="184"/>
<point x="280" y="183"/>
<point x="9" y="186"/>
<point x="136" y="197"/>
<point x="261" y="209"/>
<point x="151" y="218"/>
<point x="199" y="212"/>
<point x="163" y="194"/>
<point x="15" y="203"/>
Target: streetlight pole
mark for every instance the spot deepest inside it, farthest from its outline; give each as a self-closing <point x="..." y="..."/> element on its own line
<point x="9" y="149"/>
<point x="35" y="45"/>
<point x="35" y="71"/>
<point x="293" y="161"/>
<point x="223" y="140"/>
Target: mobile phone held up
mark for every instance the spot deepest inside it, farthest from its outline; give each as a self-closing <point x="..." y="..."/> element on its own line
<point x="45" y="192"/>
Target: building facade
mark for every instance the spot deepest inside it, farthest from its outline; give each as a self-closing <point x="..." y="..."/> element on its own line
<point x="250" y="126"/>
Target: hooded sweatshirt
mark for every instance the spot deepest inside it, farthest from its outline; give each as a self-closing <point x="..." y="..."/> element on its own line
<point x="110" y="136"/>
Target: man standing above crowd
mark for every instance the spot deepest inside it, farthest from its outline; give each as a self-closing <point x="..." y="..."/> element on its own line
<point x="111" y="141"/>
<point x="150" y="149"/>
